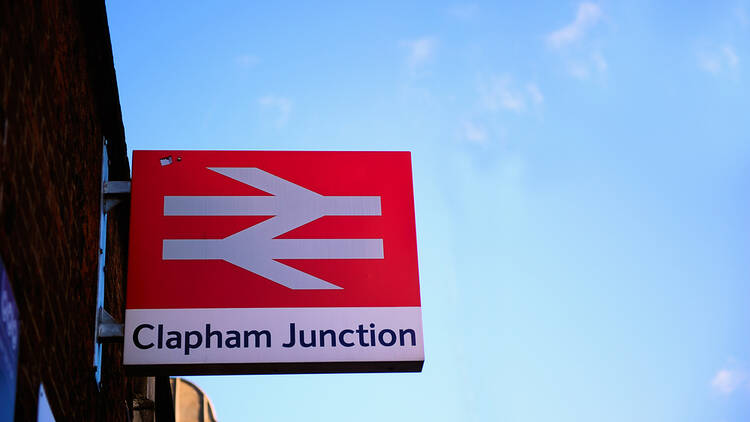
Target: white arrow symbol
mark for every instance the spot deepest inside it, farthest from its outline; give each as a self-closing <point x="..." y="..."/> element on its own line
<point x="255" y="248"/>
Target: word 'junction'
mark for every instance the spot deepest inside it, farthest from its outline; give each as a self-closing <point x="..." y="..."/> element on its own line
<point x="143" y="338"/>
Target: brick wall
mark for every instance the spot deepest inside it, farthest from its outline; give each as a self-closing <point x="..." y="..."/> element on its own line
<point x="58" y="100"/>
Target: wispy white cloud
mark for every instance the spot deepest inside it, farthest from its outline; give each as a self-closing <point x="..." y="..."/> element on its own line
<point x="600" y="64"/>
<point x="587" y="66"/>
<point x="741" y="15"/>
<point x="726" y="381"/>
<point x="710" y="64"/>
<point x="730" y="56"/>
<point x="587" y="16"/>
<point x="719" y="60"/>
<point x="247" y="60"/>
<point x="534" y="93"/>
<point x="579" y="50"/>
<point x="474" y="133"/>
<point x="500" y="93"/>
<point x="282" y="106"/>
<point x="720" y="57"/>
<point x="578" y="70"/>
<point x="419" y="51"/>
<point x="464" y="11"/>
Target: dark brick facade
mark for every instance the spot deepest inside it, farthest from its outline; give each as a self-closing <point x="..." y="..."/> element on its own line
<point x="58" y="101"/>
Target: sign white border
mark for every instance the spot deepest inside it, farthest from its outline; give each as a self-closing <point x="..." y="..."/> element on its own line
<point x="264" y="332"/>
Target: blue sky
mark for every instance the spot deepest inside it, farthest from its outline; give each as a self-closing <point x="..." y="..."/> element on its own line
<point x="580" y="175"/>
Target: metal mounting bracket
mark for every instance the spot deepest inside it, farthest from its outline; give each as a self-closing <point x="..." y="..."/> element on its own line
<point x="114" y="193"/>
<point x="108" y="330"/>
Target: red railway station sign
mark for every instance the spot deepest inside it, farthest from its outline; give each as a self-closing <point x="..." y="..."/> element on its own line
<point x="272" y="262"/>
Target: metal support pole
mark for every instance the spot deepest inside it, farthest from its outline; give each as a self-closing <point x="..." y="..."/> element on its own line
<point x="164" y="400"/>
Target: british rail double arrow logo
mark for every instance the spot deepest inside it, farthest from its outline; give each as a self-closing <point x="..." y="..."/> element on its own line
<point x="256" y="248"/>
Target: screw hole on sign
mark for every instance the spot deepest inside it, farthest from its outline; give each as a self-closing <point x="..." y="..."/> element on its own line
<point x="165" y="161"/>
